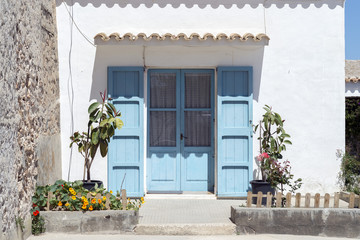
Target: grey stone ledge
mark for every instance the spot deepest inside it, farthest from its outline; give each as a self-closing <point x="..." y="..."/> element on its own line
<point x="330" y="222"/>
<point x="108" y="221"/>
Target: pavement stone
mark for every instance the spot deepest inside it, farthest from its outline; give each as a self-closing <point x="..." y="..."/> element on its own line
<point x="186" y="211"/>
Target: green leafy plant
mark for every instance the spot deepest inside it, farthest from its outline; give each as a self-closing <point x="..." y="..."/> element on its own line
<point x="37" y="221"/>
<point x="103" y="121"/>
<point x="72" y="196"/>
<point x="273" y="139"/>
<point x="349" y="177"/>
<point x="352" y="129"/>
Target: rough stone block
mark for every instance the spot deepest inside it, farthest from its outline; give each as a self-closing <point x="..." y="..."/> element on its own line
<point x="301" y="221"/>
<point x="110" y="221"/>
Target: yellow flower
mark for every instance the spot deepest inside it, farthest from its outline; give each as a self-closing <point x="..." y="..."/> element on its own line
<point x="83" y="198"/>
<point x="99" y="200"/>
<point x="73" y="193"/>
<point x="111" y="192"/>
<point x="104" y="198"/>
<point x="73" y="198"/>
<point x="128" y="199"/>
<point x="60" y="203"/>
<point x="67" y="204"/>
<point x="83" y="206"/>
<point x="93" y="201"/>
<point x="86" y="203"/>
<point x="142" y="199"/>
<point x="71" y="189"/>
<point x="91" y="208"/>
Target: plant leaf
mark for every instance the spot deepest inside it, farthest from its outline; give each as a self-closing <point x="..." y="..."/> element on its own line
<point x="103" y="148"/>
<point x="95" y="136"/>
<point x="103" y="122"/>
<point x="93" y="106"/>
<point x="118" y="123"/>
<point x="93" y="150"/>
<point x="110" y="131"/>
<point x="112" y="107"/>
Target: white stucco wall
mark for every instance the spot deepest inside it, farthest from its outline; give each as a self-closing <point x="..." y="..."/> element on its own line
<point x="300" y="73"/>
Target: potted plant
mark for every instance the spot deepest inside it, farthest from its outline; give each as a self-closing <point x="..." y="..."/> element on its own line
<point x="103" y="121"/>
<point x="273" y="139"/>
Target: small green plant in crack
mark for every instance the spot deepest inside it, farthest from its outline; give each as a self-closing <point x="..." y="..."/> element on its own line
<point x="20" y="223"/>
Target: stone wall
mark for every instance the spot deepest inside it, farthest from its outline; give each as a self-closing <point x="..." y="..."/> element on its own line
<point x="29" y="110"/>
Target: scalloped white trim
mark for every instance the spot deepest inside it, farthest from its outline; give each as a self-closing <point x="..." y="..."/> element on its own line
<point x="231" y="37"/>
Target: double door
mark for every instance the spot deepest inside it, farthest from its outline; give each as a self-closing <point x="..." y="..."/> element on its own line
<point x="180" y="144"/>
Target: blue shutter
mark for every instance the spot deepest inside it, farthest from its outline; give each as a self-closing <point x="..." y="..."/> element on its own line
<point x="234" y="138"/>
<point x="125" y="156"/>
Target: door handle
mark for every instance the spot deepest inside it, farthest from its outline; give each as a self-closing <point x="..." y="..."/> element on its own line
<point x="182" y="136"/>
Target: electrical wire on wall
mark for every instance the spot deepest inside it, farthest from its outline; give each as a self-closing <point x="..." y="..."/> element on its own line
<point x="264" y="7"/>
<point x="73" y="23"/>
<point x="70" y="87"/>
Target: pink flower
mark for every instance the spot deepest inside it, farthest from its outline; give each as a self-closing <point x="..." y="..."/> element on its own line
<point x="265" y="155"/>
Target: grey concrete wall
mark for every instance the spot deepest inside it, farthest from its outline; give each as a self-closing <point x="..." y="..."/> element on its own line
<point x="329" y="222"/>
<point x="29" y="109"/>
<point x="109" y="221"/>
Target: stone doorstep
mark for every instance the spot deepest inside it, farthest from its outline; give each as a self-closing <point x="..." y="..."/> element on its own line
<point x="186" y="229"/>
<point x="108" y="221"/>
<point x="330" y="222"/>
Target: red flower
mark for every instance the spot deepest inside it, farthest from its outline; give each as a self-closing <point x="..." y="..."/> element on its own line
<point x="34" y="205"/>
<point x="36" y="213"/>
<point x="265" y="155"/>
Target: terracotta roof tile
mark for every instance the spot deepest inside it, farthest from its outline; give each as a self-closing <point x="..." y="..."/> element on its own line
<point x="206" y="36"/>
<point x="352" y="71"/>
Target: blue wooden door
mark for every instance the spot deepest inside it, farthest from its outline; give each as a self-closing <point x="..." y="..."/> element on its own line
<point x="125" y="156"/>
<point x="234" y="130"/>
<point x="163" y="162"/>
<point x="180" y="130"/>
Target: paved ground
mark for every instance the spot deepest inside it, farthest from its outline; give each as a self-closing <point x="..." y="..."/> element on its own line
<point x="154" y="237"/>
<point x="184" y="216"/>
<point x="165" y="211"/>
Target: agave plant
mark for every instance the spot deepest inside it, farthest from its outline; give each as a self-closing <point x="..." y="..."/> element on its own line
<point x="103" y="121"/>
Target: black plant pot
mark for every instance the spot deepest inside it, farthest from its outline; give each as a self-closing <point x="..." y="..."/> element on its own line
<point x="261" y="186"/>
<point x="91" y="185"/>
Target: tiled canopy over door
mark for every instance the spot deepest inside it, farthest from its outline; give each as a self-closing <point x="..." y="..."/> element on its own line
<point x="234" y="138"/>
<point x="125" y="158"/>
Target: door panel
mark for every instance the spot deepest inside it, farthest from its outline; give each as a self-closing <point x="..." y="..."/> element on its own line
<point x="163" y="131"/>
<point x="125" y="156"/>
<point x="197" y="126"/>
<point x="234" y="130"/>
<point x="182" y="129"/>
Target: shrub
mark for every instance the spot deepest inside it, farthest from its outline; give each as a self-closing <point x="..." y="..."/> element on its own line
<point x="349" y="177"/>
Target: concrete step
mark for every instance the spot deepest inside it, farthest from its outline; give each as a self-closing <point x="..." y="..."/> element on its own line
<point x="205" y="195"/>
<point x="186" y="229"/>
